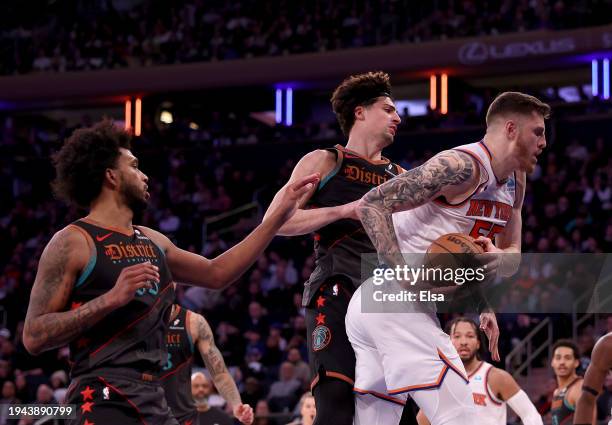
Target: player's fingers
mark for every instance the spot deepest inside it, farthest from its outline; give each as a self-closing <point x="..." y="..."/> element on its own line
<point x="301" y="183"/>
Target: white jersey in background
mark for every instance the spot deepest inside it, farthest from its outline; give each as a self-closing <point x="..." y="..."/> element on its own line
<point x="490" y="410"/>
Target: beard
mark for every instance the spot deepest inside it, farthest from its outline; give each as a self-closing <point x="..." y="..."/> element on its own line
<point x="133" y="198"/>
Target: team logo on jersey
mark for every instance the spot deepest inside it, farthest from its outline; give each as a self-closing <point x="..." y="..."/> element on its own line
<point x="480" y="399"/>
<point x="133" y="252"/>
<point x="321" y="336"/>
<point x="354" y="173"/>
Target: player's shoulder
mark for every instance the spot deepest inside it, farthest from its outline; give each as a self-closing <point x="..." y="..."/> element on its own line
<point x="72" y="238"/>
<point x="156" y="236"/>
<point x="325" y="155"/>
<point x="499" y="377"/>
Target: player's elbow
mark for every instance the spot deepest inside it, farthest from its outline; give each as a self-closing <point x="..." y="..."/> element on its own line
<point x="31" y="343"/>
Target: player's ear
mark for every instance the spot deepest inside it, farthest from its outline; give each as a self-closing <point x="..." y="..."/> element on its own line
<point x="111" y="177"/>
<point x="511" y="129"/>
<point x="359" y="113"/>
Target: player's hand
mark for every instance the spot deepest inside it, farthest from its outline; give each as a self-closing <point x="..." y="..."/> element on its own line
<point x="287" y="200"/>
<point x="244" y="413"/>
<point x="491" y="260"/>
<point x="130" y="280"/>
<point x="488" y="324"/>
<point x="350" y="210"/>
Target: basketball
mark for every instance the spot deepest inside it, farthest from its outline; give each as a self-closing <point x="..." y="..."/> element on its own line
<point x="452" y="251"/>
<point x="454" y="243"/>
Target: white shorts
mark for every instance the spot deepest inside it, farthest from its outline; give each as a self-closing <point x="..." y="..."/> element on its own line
<point x="411" y="351"/>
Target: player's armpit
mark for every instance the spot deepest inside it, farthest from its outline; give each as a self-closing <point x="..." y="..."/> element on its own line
<point x="45" y="327"/>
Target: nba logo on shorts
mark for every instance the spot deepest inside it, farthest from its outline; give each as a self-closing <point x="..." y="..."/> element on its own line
<point x="320" y="337"/>
<point x="106" y="393"/>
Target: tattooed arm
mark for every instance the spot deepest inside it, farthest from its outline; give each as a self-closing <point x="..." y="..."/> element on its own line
<point x="452" y="174"/>
<point x="213" y="360"/>
<point x="46" y="325"/>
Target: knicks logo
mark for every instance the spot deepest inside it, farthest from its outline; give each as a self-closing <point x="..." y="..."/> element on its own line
<point x="117" y="252"/>
<point x="321" y="336"/>
<point x="480" y="399"/>
<point x="355" y="173"/>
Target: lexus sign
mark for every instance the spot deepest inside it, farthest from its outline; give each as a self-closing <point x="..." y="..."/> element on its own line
<point x="476" y="53"/>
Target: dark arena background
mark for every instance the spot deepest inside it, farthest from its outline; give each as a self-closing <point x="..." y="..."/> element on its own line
<point x="223" y="98"/>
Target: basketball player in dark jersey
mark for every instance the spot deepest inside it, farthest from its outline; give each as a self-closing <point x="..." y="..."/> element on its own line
<point x="104" y="285"/>
<point x="187" y="331"/>
<point x="601" y="365"/>
<point x="368" y="117"/>
<point x="565" y="361"/>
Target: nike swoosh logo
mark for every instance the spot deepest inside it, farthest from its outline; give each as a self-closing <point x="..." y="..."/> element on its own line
<point x="101" y="238"/>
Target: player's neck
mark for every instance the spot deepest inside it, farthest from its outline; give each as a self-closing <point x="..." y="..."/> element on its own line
<point x="502" y="162"/>
<point x="472" y="365"/>
<point x="563" y="382"/>
<point x="368" y="149"/>
<point x="109" y="213"/>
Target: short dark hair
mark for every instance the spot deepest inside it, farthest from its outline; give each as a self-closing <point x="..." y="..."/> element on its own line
<point x="83" y="159"/>
<point x="518" y="103"/>
<point x="567" y="343"/>
<point x="358" y="90"/>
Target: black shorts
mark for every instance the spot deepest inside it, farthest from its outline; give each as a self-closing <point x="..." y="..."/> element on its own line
<point x="114" y="400"/>
<point x="330" y="352"/>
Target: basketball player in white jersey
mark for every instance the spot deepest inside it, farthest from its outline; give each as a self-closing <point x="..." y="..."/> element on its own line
<point x="492" y="388"/>
<point x="475" y="189"/>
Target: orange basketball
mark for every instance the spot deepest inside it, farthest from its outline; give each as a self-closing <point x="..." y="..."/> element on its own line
<point x="452" y="251"/>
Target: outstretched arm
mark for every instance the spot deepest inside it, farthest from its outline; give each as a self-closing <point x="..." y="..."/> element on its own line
<point x="305" y="221"/>
<point x="204" y="339"/>
<point x="450" y="174"/>
<point x="222" y="271"/>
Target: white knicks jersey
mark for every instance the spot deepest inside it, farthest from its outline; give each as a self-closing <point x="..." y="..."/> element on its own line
<point x="484" y="213"/>
<point x="490" y="410"/>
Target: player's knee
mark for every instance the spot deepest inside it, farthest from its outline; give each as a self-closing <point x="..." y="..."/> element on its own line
<point x="334" y="402"/>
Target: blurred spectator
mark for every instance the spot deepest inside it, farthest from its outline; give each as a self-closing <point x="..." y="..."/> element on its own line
<point x="284" y="393"/>
<point x="306" y="409"/>
<point x="200" y="390"/>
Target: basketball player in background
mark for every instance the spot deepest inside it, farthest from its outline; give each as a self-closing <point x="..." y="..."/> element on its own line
<point x="565" y="361"/>
<point x="187" y="331"/>
<point x="104" y="285"/>
<point x="475" y="189"/>
<point x="368" y="118"/>
<point x="492" y="388"/>
<point x="601" y="365"/>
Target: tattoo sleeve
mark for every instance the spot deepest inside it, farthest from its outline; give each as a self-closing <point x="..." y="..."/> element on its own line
<point x="216" y="365"/>
<point x="409" y="190"/>
<point x="45" y="327"/>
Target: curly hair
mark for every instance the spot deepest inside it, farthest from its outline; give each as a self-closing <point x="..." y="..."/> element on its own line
<point x="83" y="159"/>
<point x="358" y="90"/>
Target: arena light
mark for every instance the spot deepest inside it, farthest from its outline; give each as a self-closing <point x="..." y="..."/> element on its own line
<point x="166" y="117"/>
<point x="444" y="94"/>
<point x="279" y="106"/>
<point x="128" y="115"/>
<point x="433" y="95"/>
<point x="606" y="79"/>
<point x="138" y="117"/>
<point x="289" y="107"/>
<point x="594" y="78"/>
